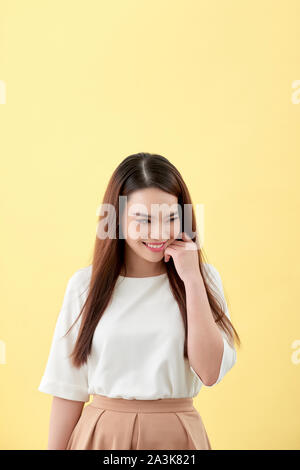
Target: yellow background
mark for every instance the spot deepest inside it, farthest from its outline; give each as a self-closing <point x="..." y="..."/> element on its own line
<point x="208" y="84"/>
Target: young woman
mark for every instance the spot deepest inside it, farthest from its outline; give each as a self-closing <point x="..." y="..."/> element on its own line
<point x="143" y="327"/>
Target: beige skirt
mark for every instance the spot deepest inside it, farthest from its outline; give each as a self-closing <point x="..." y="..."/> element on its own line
<point x="117" y="424"/>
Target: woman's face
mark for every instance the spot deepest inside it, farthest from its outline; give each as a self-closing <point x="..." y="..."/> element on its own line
<point x="151" y="217"/>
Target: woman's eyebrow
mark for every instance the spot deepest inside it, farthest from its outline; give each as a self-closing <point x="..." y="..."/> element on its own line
<point x="149" y="216"/>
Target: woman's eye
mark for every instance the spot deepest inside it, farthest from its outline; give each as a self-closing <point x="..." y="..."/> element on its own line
<point x="147" y="221"/>
<point x="143" y="221"/>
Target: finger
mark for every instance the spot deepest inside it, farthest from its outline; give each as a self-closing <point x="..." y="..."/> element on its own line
<point x="169" y="252"/>
<point x="174" y="247"/>
<point x="170" y="249"/>
<point x="177" y="243"/>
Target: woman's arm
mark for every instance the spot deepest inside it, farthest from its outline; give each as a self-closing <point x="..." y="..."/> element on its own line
<point x="206" y="344"/>
<point x="63" y="419"/>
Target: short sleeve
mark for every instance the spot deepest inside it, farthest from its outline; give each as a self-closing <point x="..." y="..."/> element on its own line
<point x="229" y="352"/>
<point x="60" y="377"/>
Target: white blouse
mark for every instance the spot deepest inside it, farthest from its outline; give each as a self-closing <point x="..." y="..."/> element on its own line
<point x="137" y="347"/>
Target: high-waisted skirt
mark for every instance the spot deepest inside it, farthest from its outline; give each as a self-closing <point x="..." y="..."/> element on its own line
<point x="117" y="424"/>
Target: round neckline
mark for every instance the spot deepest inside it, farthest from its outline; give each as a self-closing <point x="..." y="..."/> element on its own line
<point x="146" y="277"/>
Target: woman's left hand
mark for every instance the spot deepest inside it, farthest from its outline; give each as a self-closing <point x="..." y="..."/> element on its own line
<point x="185" y="257"/>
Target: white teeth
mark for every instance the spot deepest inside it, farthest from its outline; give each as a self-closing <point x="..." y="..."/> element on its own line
<point x="154" y="246"/>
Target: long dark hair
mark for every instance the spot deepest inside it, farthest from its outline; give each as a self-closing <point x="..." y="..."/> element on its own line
<point x="135" y="172"/>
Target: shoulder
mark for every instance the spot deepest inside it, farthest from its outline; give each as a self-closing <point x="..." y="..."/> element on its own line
<point x="216" y="283"/>
<point x="79" y="280"/>
<point x="75" y="294"/>
<point x="214" y="279"/>
<point x="211" y="272"/>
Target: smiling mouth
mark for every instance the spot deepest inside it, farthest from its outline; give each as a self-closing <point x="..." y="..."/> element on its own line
<point x="155" y="246"/>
